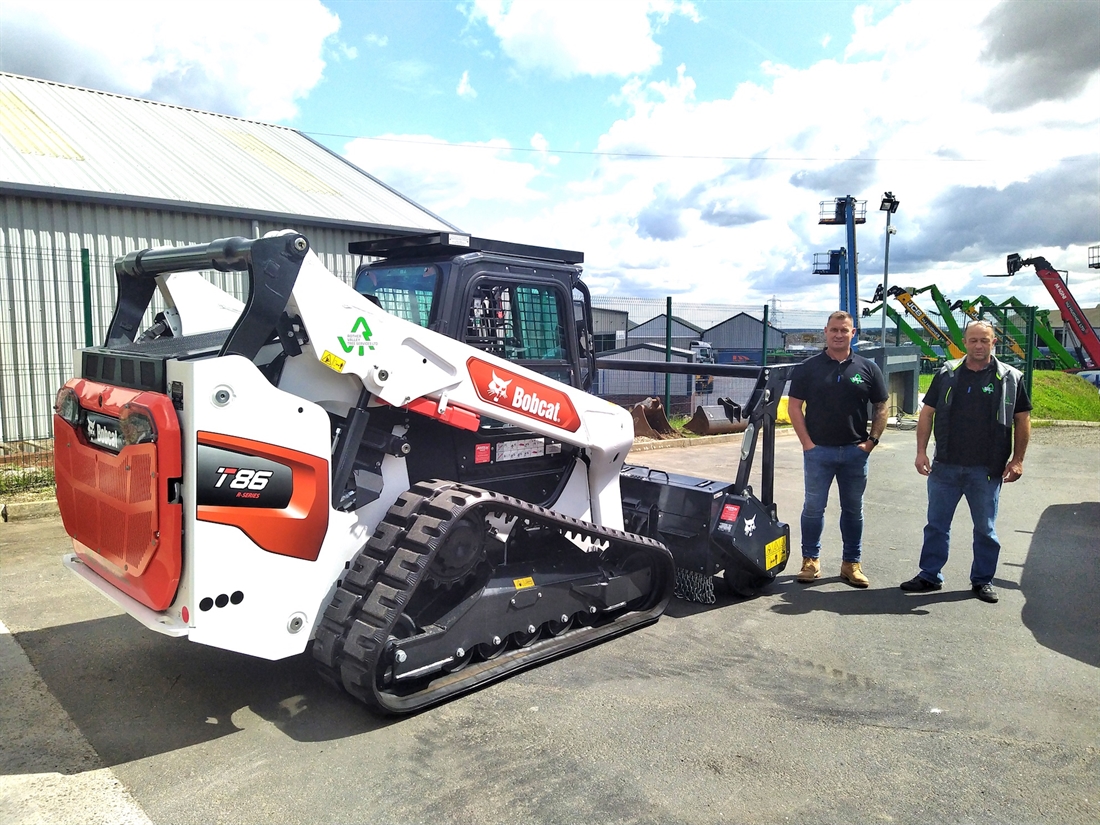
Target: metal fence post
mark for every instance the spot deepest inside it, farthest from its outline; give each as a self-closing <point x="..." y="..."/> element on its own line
<point x="1029" y="361"/>
<point x="86" y="280"/>
<point x="764" y="350"/>
<point x="668" y="354"/>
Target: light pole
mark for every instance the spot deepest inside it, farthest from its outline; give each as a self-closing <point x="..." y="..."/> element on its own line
<point x="889" y="205"/>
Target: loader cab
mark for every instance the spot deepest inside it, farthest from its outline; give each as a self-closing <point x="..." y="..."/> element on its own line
<point x="525" y="304"/>
<point x="522" y="303"/>
<point x="408" y="292"/>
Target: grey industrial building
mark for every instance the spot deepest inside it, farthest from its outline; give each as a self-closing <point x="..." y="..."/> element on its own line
<point x="87" y="176"/>
<point x="88" y="170"/>
<point x="741" y="334"/>
<point x="653" y="331"/>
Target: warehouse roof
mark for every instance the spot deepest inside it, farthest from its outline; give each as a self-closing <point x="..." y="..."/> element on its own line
<point x="67" y="142"/>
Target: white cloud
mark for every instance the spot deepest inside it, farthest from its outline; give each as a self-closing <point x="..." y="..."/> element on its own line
<point x="449" y="180"/>
<point x="239" y="57"/>
<point x="540" y="144"/>
<point x="464" y="88"/>
<point x="984" y="149"/>
<point x="724" y="214"/>
<point x="606" y="38"/>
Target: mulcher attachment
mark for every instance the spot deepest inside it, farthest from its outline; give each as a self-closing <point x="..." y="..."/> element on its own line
<point x="713" y="526"/>
<point x="709" y="528"/>
<point x="460" y="586"/>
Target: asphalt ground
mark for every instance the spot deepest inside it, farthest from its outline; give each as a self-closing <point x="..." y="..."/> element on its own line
<point x="806" y="704"/>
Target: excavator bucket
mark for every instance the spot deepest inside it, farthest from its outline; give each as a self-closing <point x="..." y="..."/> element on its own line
<point x="650" y="421"/>
<point x="716" y="419"/>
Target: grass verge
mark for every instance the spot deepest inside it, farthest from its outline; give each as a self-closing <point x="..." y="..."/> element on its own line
<point x="1055" y="395"/>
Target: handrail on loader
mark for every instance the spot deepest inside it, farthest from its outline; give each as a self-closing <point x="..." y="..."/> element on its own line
<point x="277" y="258"/>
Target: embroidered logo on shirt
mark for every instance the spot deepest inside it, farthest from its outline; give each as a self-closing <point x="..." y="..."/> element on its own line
<point x="856" y="379"/>
<point x="987" y="389"/>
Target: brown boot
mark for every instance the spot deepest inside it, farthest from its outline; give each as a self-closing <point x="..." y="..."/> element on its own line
<point x="811" y="569"/>
<point x="850" y="571"/>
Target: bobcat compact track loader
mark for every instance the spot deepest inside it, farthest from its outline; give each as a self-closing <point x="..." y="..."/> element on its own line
<point x="406" y="477"/>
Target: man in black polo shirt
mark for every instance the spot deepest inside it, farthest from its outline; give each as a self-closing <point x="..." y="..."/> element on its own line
<point x="980" y="413"/>
<point x="836" y="386"/>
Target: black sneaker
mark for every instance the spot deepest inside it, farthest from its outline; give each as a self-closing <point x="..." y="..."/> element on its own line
<point x="986" y="593"/>
<point x="920" y="585"/>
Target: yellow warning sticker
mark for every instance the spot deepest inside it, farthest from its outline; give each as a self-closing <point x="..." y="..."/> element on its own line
<point x="523" y="583"/>
<point x="775" y="552"/>
<point x="333" y="362"/>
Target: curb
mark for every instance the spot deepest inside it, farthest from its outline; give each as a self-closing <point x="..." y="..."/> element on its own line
<point x="26" y="510"/>
<point x="1057" y="422"/>
<point x="698" y="441"/>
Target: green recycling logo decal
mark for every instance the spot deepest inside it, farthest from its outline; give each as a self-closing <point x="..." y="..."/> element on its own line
<point x="359" y="336"/>
<point x="856" y="379"/>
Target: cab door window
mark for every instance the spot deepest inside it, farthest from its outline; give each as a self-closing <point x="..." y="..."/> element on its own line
<point x="520" y="322"/>
<point x="405" y="291"/>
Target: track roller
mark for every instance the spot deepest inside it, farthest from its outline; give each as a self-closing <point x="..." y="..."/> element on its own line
<point x="460" y="586"/>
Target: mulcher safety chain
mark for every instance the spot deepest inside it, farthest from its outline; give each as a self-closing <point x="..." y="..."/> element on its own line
<point x="356" y="647"/>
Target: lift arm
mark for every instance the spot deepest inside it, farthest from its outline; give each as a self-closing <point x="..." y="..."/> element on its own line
<point x="910" y="333"/>
<point x="945" y="311"/>
<point x="1066" y="359"/>
<point x="906" y="300"/>
<point x="1072" y="315"/>
<point x="1002" y="317"/>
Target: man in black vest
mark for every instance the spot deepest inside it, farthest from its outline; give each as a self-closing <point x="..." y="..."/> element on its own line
<point x="979" y="411"/>
<point x="836" y="385"/>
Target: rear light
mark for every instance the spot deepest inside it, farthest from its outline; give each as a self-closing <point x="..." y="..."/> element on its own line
<point x="136" y="423"/>
<point x="67" y="406"/>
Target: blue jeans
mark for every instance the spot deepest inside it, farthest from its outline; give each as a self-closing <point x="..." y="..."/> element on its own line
<point x="946" y="485"/>
<point x="848" y="465"/>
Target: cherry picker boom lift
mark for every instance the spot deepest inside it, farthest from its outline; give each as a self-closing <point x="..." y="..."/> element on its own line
<point x="906" y="300"/>
<point x="1072" y="316"/>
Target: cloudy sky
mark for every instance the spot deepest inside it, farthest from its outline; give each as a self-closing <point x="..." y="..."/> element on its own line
<point x="684" y="146"/>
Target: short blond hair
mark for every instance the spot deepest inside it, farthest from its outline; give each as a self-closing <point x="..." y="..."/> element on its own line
<point x="841" y="314"/>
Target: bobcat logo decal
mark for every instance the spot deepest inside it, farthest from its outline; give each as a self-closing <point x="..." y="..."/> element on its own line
<point x="750" y="526"/>
<point x="523" y="395"/>
<point x="498" y="388"/>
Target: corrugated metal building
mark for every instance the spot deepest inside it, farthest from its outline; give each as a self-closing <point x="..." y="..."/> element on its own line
<point x="743" y="332"/>
<point x="609" y="328"/>
<point x="629" y="388"/>
<point x="653" y="331"/>
<point x="87" y="170"/>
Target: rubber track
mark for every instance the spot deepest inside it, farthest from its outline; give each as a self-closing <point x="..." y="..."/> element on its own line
<point x="351" y="638"/>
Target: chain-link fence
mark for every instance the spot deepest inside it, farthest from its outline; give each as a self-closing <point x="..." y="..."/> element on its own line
<point x="52" y="302"/>
<point x="707" y="315"/>
<point x="55" y="302"/>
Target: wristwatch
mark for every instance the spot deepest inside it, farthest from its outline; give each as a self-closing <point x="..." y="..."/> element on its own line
<point x="873" y="440"/>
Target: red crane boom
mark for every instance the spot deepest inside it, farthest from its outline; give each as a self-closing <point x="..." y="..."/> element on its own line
<point x="1072" y="315"/>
